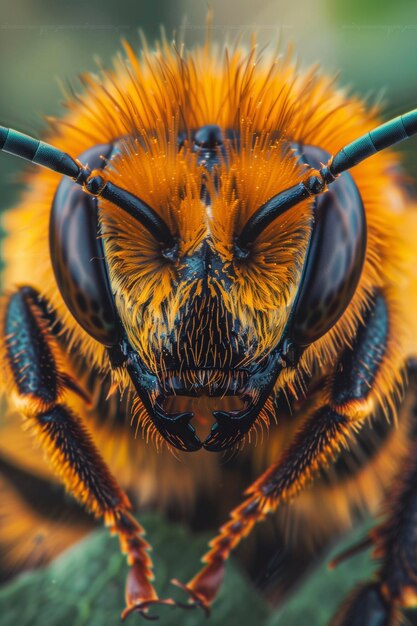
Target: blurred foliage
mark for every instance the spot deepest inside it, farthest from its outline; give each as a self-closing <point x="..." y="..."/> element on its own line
<point x="85" y="585"/>
<point x="373" y="11"/>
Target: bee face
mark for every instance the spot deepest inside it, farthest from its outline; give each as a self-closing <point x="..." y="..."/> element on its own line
<point x="203" y="321"/>
<point x="200" y="323"/>
<point x="207" y="324"/>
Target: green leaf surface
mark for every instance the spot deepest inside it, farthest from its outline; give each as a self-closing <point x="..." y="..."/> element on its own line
<point x="85" y="585"/>
<point x="318" y="598"/>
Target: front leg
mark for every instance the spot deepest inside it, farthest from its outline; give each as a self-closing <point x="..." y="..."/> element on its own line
<point x="352" y="397"/>
<point x="393" y="588"/>
<point x="37" y="385"/>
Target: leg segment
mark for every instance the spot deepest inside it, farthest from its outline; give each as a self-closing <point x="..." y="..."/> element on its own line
<point x="314" y="447"/>
<point x="350" y="400"/>
<point x="381" y="601"/>
<point x="38" y="387"/>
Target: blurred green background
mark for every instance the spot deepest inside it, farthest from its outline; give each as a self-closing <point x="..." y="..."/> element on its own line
<point x="373" y="47"/>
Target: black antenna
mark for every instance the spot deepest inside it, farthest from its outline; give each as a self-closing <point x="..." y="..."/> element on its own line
<point x="41" y="153"/>
<point x="384" y="136"/>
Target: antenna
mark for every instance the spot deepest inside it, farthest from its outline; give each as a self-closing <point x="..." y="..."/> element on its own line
<point x="384" y="136"/>
<point x="44" y="154"/>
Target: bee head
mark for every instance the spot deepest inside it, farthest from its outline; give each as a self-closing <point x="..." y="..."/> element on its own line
<point x="207" y="258"/>
<point x="205" y="322"/>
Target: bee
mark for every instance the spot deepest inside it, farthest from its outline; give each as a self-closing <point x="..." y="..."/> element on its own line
<point x="218" y="243"/>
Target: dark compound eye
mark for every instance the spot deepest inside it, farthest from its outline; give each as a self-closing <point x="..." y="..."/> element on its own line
<point x="335" y="257"/>
<point x="77" y="254"/>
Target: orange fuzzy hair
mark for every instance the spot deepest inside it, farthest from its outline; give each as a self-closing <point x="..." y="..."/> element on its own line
<point x="148" y="100"/>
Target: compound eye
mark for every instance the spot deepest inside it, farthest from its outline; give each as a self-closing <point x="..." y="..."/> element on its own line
<point x="335" y="256"/>
<point x="77" y="254"/>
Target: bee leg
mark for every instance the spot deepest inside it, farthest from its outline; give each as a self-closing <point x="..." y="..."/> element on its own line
<point x="381" y="601"/>
<point x="351" y="399"/>
<point x="35" y="382"/>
